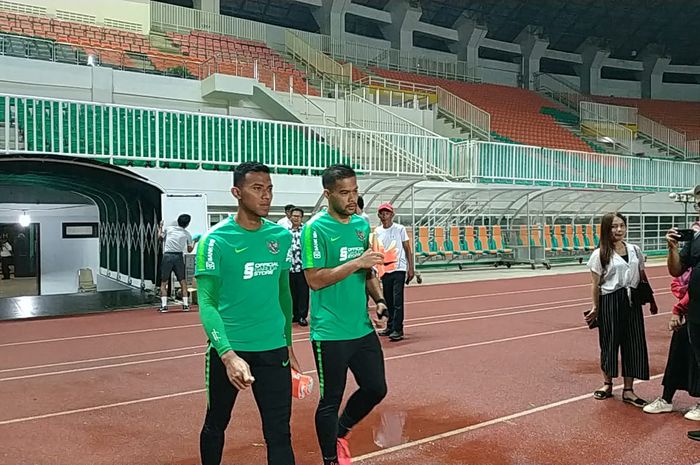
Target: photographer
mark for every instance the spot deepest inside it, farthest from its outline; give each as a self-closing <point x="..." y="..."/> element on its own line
<point x="678" y="262"/>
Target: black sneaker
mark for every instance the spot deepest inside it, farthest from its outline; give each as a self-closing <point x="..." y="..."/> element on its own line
<point x="694" y="435"/>
<point x="303" y="322"/>
<point x="395" y="336"/>
<point x="185" y="308"/>
<point x="163" y="309"/>
<point x="385" y="332"/>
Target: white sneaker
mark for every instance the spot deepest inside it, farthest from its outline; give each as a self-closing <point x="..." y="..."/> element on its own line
<point x="693" y="413"/>
<point x="660" y="406"/>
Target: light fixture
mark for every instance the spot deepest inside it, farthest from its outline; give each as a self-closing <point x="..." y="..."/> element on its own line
<point x="24" y="219"/>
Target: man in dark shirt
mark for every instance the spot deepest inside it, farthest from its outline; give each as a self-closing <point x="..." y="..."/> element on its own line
<point x="679" y="261"/>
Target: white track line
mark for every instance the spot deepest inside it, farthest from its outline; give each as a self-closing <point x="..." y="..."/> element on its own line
<point x="477" y="426"/>
<point x="168" y="328"/>
<point x="395" y="357"/>
<point x="155" y="360"/>
<point x="434" y="317"/>
<point x="100" y="407"/>
<point x="161" y="359"/>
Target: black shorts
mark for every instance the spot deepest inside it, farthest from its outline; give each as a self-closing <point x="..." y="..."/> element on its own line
<point x="172" y="261"/>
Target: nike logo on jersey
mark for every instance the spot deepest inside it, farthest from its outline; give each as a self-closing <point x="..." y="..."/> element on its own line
<point x="333" y="239"/>
<point x="241" y="250"/>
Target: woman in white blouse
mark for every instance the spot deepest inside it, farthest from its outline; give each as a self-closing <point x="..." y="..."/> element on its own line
<point x="617" y="269"/>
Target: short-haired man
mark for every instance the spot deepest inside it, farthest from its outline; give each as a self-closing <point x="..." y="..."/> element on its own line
<point x="286" y="221"/>
<point x="177" y="241"/>
<point x="297" y="280"/>
<point x="679" y="262"/>
<point x="393" y="281"/>
<point x="245" y="307"/>
<point x="338" y="263"/>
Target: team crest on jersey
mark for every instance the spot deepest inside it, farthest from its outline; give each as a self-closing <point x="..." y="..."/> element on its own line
<point x="273" y="247"/>
<point x="360" y="234"/>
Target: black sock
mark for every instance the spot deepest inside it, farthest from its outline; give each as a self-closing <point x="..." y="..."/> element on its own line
<point x="668" y="394"/>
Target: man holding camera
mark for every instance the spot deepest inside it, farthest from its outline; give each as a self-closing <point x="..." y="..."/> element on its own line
<point x="680" y="260"/>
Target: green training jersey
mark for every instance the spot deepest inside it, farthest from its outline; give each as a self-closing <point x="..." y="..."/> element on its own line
<point x="248" y="264"/>
<point x="338" y="312"/>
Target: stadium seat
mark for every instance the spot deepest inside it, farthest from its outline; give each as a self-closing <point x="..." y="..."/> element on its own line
<point x="456" y="244"/>
<point x="442" y="251"/>
<point x="471" y="243"/>
<point x="486" y="246"/>
<point x="516" y="114"/>
<point x="498" y="241"/>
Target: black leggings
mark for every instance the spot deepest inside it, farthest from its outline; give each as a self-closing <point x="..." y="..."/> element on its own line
<point x="365" y="360"/>
<point x="272" y="390"/>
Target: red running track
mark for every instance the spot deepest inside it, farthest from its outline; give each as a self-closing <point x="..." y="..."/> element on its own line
<point x="496" y="372"/>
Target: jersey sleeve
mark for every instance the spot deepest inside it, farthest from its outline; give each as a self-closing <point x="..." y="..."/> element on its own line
<point x="313" y="247"/>
<point x="208" y="261"/>
<point x="209" y="288"/>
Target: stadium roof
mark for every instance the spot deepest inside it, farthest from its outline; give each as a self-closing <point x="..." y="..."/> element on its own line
<point x="626" y="26"/>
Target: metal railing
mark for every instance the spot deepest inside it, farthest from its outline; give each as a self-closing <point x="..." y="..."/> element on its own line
<point x="605" y="122"/>
<point x="389" y="58"/>
<point x="603" y="112"/>
<point x="433" y="149"/>
<point x="321" y="63"/>
<point x="120" y="134"/>
<point x="519" y="164"/>
<point x="476" y="120"/>
<point x="311" y="110"/>
<point x="607" y="132"/>
<point x="693" y="148"/>
<point x="165" y="17"/>
<point x="397" y="85"/>
<point x="668" y="139"/>
<point x="559" y="90"/>
<point x="461" y="111"/>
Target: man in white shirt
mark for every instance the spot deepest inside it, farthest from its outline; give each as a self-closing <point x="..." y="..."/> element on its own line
<point x="5" y="257"/>
<point x="393" y="282"/>
<point x="286" y="222"/>
<point x="176" y="242"/>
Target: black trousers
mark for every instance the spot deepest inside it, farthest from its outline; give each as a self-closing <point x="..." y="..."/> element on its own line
<point x="393" y="284"/>
<point x="272" y="390"/>
<point x="365" y="359"/>
<point x="300" y="295"/>
<point x="621" y="329"/>
<point x="682" y="372"/>
<point x="694" y="339"/>
<point x="6" y="267"/>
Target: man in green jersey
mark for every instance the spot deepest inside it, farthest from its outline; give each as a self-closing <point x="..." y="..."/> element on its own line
<point x="245" y="306"/>
<point x="338" y="263"/>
